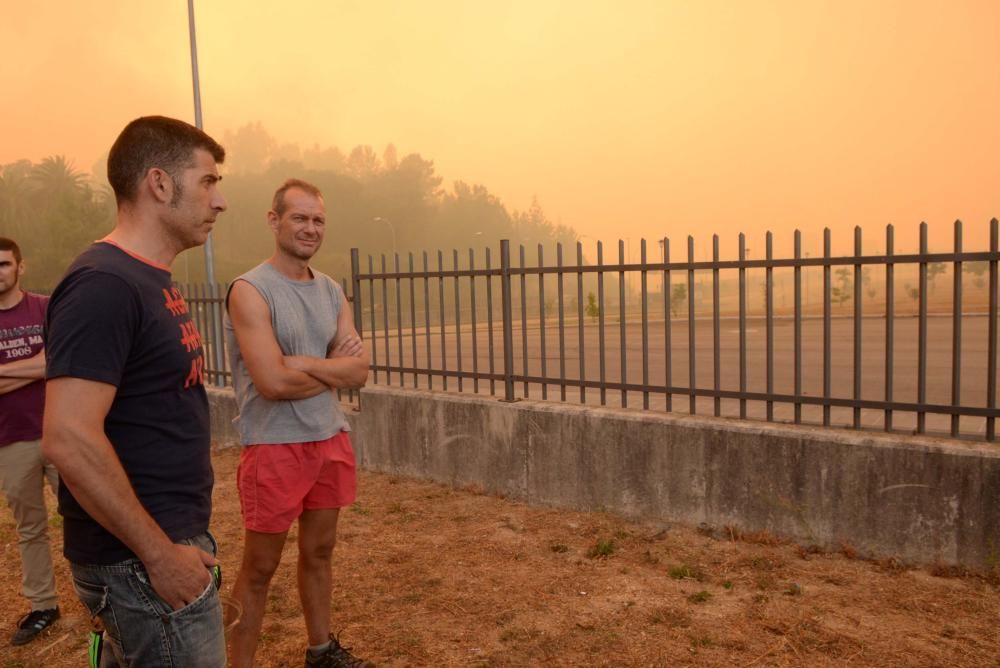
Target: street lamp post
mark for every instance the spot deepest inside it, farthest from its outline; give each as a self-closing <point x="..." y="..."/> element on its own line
<point x="380" y="219"/>
<point x="195" y="84"/>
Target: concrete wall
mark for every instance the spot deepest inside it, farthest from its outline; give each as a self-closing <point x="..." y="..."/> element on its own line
<point x="916" y="498"/>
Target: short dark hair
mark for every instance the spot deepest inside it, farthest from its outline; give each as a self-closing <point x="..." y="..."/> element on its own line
<point x="154" y="141"/>
<point x="11" y="245"/>
<point x="278" y="203"/>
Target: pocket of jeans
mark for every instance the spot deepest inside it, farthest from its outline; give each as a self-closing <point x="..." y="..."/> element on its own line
<point x="94" y="597"/>
<point x="159" y="605"/>
<point x="198" y="602"/>
<point x="214" y="541"/>
<point x="97" y="601"/>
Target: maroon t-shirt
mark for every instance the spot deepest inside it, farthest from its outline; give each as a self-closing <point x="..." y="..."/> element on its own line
<point x="21" y="338"/>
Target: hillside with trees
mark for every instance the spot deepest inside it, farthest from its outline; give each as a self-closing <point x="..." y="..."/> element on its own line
<point x="378" y="203"/>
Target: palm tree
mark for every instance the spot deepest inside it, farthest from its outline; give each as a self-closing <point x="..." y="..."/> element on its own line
<point x="55" y="178"/>
<point x="15" y="193"/>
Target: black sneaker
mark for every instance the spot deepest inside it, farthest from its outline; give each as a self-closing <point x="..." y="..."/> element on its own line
<point x="336" y="656"/>
<point x="33" y="623"/>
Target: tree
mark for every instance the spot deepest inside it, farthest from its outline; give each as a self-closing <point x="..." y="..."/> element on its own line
<point x="678" y="295"/>
<point x="363" y="162"/>
<point x="843" y="293"/>
<point x="471" y="215"/>
<point x="249" y="149"/>
<point x="977" y="269"/>
<point x="53" y="212"/>
<point x="389" y="158"/>
<point x="54" y="178"/>
<point x="15" y="195"/>
<point x="328" y="159"/>
<point x="592" y="309"/>
<point x="866" y="281"/>
<point x="934" y="269"/>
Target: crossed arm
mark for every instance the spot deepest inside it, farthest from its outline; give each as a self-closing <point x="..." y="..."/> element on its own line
<point x="278" y="376"/>
<point x="15" y="375"/>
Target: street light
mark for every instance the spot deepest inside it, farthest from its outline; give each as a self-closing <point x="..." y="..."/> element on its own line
<point x="380" y="219"/>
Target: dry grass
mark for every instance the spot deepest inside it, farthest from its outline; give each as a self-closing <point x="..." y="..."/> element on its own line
<point x="428" y="575"/>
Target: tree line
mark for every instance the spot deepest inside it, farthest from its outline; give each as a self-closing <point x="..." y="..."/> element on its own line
<point x="378" y="203"/>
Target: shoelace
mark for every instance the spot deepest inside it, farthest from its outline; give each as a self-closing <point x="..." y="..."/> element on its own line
<point x="344" y="653"/>
<point x="38" y="619"/>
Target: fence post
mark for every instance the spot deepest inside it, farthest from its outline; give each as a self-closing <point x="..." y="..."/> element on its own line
<point x="508" y="325"/>
<point x="356" y="290"/>
<point x="218" y="297"/>
<point x="356" y="304"/>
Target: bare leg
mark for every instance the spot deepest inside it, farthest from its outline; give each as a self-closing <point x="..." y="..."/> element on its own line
<point x="261" y="556"/>
<point x="317" y="536"/>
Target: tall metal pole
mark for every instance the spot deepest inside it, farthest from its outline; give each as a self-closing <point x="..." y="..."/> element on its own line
<point x="209" y="256"/>
<point x="214" y="292"/>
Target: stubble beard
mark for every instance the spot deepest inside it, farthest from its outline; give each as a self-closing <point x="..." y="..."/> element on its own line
<point x="188" y="235"/>
<point x="10" y="288"/>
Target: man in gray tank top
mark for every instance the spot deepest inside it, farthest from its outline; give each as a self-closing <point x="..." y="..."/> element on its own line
<point x="292" y="342"/>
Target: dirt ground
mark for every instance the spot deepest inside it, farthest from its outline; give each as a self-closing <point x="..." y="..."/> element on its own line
<point x="431" y="576"/>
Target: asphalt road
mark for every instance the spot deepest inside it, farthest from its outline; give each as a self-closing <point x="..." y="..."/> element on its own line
<point x="556" y="358"/>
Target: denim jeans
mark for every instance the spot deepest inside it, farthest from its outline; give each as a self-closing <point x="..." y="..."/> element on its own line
<point x="140" y="628"/>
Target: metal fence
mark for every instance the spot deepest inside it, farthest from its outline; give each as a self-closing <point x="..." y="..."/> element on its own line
<point x="205" y="302"/>
<point x="486" y="326"/>
<point x="858" y="341"/>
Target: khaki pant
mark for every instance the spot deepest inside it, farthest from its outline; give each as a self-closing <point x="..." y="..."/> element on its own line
<point x="23" y="471"/>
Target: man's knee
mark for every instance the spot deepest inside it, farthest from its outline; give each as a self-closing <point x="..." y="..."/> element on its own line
<point x="317" y="551"/>
<point x="259" y="569"/>
<point x="32" y="531"/>
<point x="31" y="518"/>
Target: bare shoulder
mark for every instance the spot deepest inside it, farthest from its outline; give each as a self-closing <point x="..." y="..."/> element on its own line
<point x="246" y="303"/>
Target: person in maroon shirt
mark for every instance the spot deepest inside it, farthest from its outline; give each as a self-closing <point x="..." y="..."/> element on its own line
<point x="23" y="469"/>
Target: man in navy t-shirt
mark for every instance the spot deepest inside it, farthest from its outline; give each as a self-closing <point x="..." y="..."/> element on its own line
<point x="126" y="415"/>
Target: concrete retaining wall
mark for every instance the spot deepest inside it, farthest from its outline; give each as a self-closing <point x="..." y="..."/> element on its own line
<point x="915" y="498"/>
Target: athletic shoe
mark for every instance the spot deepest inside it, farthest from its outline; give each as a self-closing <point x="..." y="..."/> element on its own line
<point x="33" y="623"/>
<point x="336" y="656"/>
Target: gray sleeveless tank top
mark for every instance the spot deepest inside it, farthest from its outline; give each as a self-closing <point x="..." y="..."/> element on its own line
<point x="304" y="319"/>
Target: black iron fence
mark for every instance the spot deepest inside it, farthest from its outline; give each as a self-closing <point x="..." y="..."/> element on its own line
<point x="869" y="363"/>
<point x="858" y="341"/>
<point x="205" y="302"/>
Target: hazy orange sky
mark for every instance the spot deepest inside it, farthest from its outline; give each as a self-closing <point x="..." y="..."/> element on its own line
<point x="631" y="118"/>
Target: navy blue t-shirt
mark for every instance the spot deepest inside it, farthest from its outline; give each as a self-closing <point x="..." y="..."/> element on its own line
<point x="118" y="319"/>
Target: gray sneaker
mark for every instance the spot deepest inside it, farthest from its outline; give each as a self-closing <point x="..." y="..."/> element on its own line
<point x="336" y="656"/>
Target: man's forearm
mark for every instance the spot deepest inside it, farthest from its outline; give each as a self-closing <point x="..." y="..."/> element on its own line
<point x="336" y="372"/>
<point x="289" y="383"/>
<point x="32" y="368"/>
<point x="11" y="384"/>
<point x="89" y="467"/>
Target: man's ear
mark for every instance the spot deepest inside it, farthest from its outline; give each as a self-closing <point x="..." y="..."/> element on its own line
<point x="272" y="220"/>
<point x="20" y="269"/>
<point x="159" y="184"/>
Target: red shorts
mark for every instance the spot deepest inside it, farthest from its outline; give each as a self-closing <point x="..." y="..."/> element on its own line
<point x="277" y="482"/>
